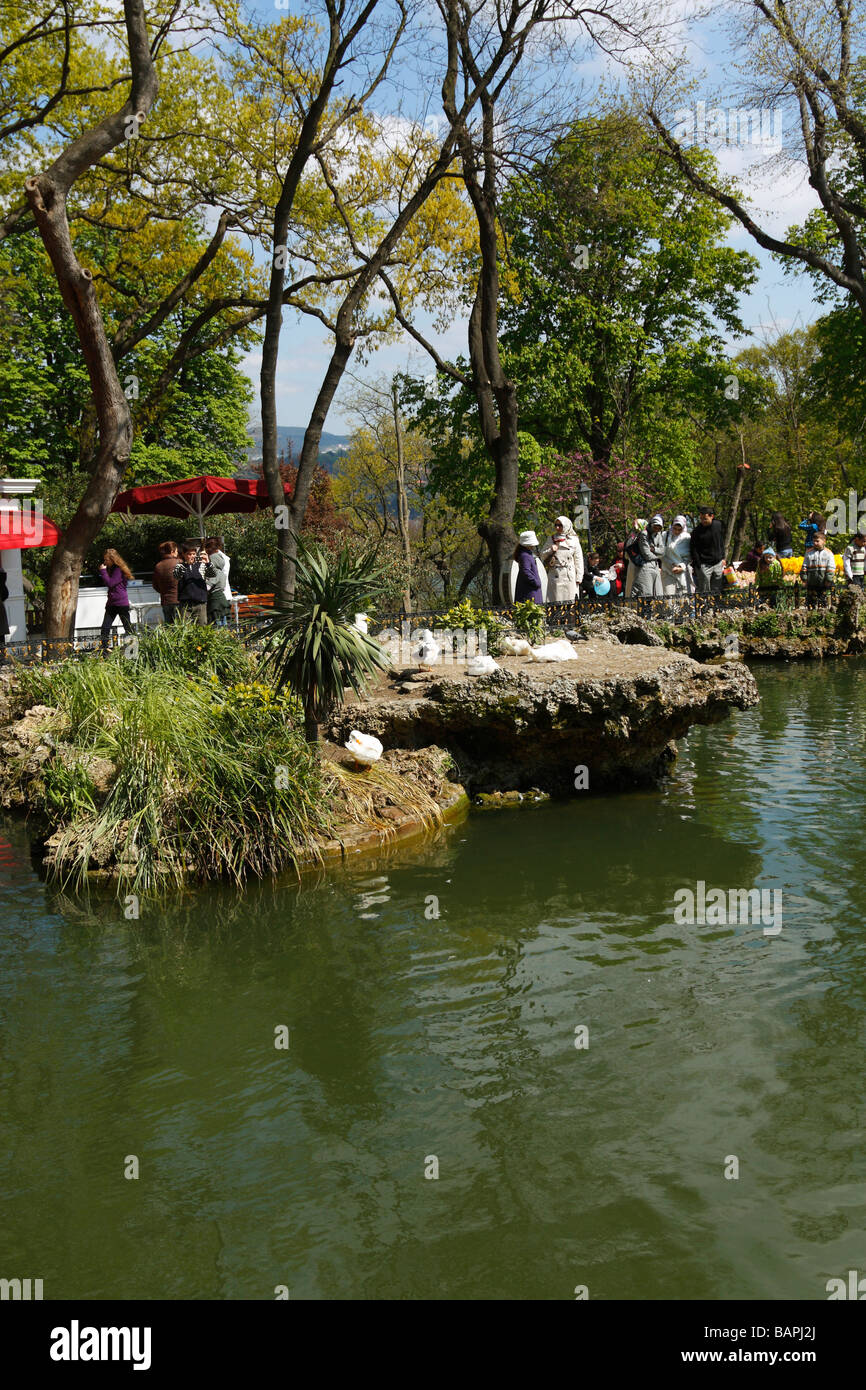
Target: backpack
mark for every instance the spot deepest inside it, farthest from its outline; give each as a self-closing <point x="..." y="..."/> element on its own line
<point x="631" y="548"/>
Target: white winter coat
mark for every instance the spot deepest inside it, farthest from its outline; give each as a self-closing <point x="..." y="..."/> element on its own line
<point x="678" y="551"/>
<point x="564" y="564"/>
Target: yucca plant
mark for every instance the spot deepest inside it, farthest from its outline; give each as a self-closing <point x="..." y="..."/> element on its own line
<point x="314" y="646"/>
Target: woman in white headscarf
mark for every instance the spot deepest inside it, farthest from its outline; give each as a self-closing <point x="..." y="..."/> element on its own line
<point x="564" y="560"/>
<point x="676" y="576"/>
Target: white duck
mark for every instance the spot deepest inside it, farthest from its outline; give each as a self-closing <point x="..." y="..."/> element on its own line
<point x="429" y="650"/>
<point x="363" y="747"/>
<point x="480" y="665"/>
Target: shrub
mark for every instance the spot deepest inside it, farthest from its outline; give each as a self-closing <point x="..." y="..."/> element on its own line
<point x="765" y="625"/>
<point x="464" y="616"/>
<point x="529" y="619"/>
<point x="254" y="699"/>
<point x="315" y="646"/>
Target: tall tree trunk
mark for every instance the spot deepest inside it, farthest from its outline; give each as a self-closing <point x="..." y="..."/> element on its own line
<point x="402" y="499"/>
<point x="495" y="394"/>
<point x="47" y="195"/>
<point x="309" y="458"/>
<point x="287" y="550"/>
<point x="338" y="57"/>
<point x="735" y="501"/>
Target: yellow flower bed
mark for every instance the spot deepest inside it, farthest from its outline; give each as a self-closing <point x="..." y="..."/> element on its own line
<point x="794" y="564"/>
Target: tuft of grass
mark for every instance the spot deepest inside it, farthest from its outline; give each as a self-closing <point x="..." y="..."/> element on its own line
<point x="206" y="785"/>
<point x="361" y="793"/>
<point x="765" y="625"/>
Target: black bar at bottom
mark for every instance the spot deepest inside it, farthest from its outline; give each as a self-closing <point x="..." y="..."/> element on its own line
<point x="82" y="1339"/>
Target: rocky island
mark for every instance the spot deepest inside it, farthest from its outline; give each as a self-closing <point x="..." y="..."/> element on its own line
<point x="615" y="711"/>
<point x="606" y="720"/>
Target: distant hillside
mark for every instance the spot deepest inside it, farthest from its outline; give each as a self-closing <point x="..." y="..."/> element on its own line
<point x="331" y="447"/>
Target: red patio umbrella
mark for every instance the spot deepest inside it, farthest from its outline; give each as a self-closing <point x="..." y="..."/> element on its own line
<point x="19" y="532"/>
<point x="196" y="498"/>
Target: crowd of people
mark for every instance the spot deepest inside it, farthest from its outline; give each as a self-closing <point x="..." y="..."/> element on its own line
<point x="659" y="561"/>
<point x="192" y="580"/>
<point x="654" y="561"/>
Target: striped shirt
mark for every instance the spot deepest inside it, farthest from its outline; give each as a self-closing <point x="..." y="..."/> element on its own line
<point x="819" y="568"/>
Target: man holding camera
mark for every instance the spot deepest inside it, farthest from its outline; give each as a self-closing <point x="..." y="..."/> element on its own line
<point x="192" y="573"/>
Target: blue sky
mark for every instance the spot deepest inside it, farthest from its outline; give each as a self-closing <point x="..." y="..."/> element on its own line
<point x="780" y="197"/>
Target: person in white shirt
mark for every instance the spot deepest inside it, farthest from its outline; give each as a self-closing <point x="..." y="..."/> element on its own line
<point x="819" y="572"/>
<point x="220" y="550"/>
<point x="676" y="575"/>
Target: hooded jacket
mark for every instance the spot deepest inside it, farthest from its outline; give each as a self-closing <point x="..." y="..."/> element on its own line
<point x="116" y="582"/>
<point x="651" y="545"/>
<point x="678" y="549"/>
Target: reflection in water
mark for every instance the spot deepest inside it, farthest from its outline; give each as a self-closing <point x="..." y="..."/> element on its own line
<point x="414" y="1034"/>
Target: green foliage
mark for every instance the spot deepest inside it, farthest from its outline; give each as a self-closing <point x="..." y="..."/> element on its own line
<point x="837" y="390"/>
<point x="67" y="790"/>
<point x="43" y="379"/>
<point x="622" y="355"/>
<point x="257" y="699"/>
<point x="528" y="619"/>
<point x="619" y="282"/>
<point x="46" y="418"/>
<point x="314" y="646"/>
<point x="765" y="625"/>
<point x="185" y="647"/>
<point x="464" y="617"/>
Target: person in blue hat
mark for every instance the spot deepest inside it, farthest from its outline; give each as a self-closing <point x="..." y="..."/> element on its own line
<point x="769" y="577"/>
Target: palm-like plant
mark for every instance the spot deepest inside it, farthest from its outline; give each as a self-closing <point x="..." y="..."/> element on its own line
<point x="314" y="646"/>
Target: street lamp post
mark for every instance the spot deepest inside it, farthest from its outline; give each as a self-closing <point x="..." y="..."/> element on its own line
<point x="584" y="497"/>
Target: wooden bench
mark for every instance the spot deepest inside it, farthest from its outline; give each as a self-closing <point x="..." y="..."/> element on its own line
<point x="252" y="604"/>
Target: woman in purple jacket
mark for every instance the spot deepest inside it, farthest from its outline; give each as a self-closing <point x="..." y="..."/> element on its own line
<point x="114" y="572"/>
<point x="528" y="582"/>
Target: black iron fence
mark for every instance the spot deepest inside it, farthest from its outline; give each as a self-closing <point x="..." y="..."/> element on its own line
<point x="676" y="608"/>
<point x="682" y="607"/>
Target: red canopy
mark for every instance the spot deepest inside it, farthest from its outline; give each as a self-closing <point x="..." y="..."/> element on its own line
<point x="195" y="497"/>
<point x="26" y="532"/>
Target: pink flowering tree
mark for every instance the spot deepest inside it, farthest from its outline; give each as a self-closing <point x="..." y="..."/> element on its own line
<point x="619" y="493"/>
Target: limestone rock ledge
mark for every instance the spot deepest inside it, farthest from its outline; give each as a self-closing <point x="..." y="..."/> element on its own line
<point x="616" y="711"/>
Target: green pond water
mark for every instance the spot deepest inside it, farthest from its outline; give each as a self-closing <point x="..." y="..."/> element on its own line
<point x="413" y="1037"/>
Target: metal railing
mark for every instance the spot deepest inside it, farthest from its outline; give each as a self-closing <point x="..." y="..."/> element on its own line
<point x="677" y="608"/>
<point x="681" y="607"/>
